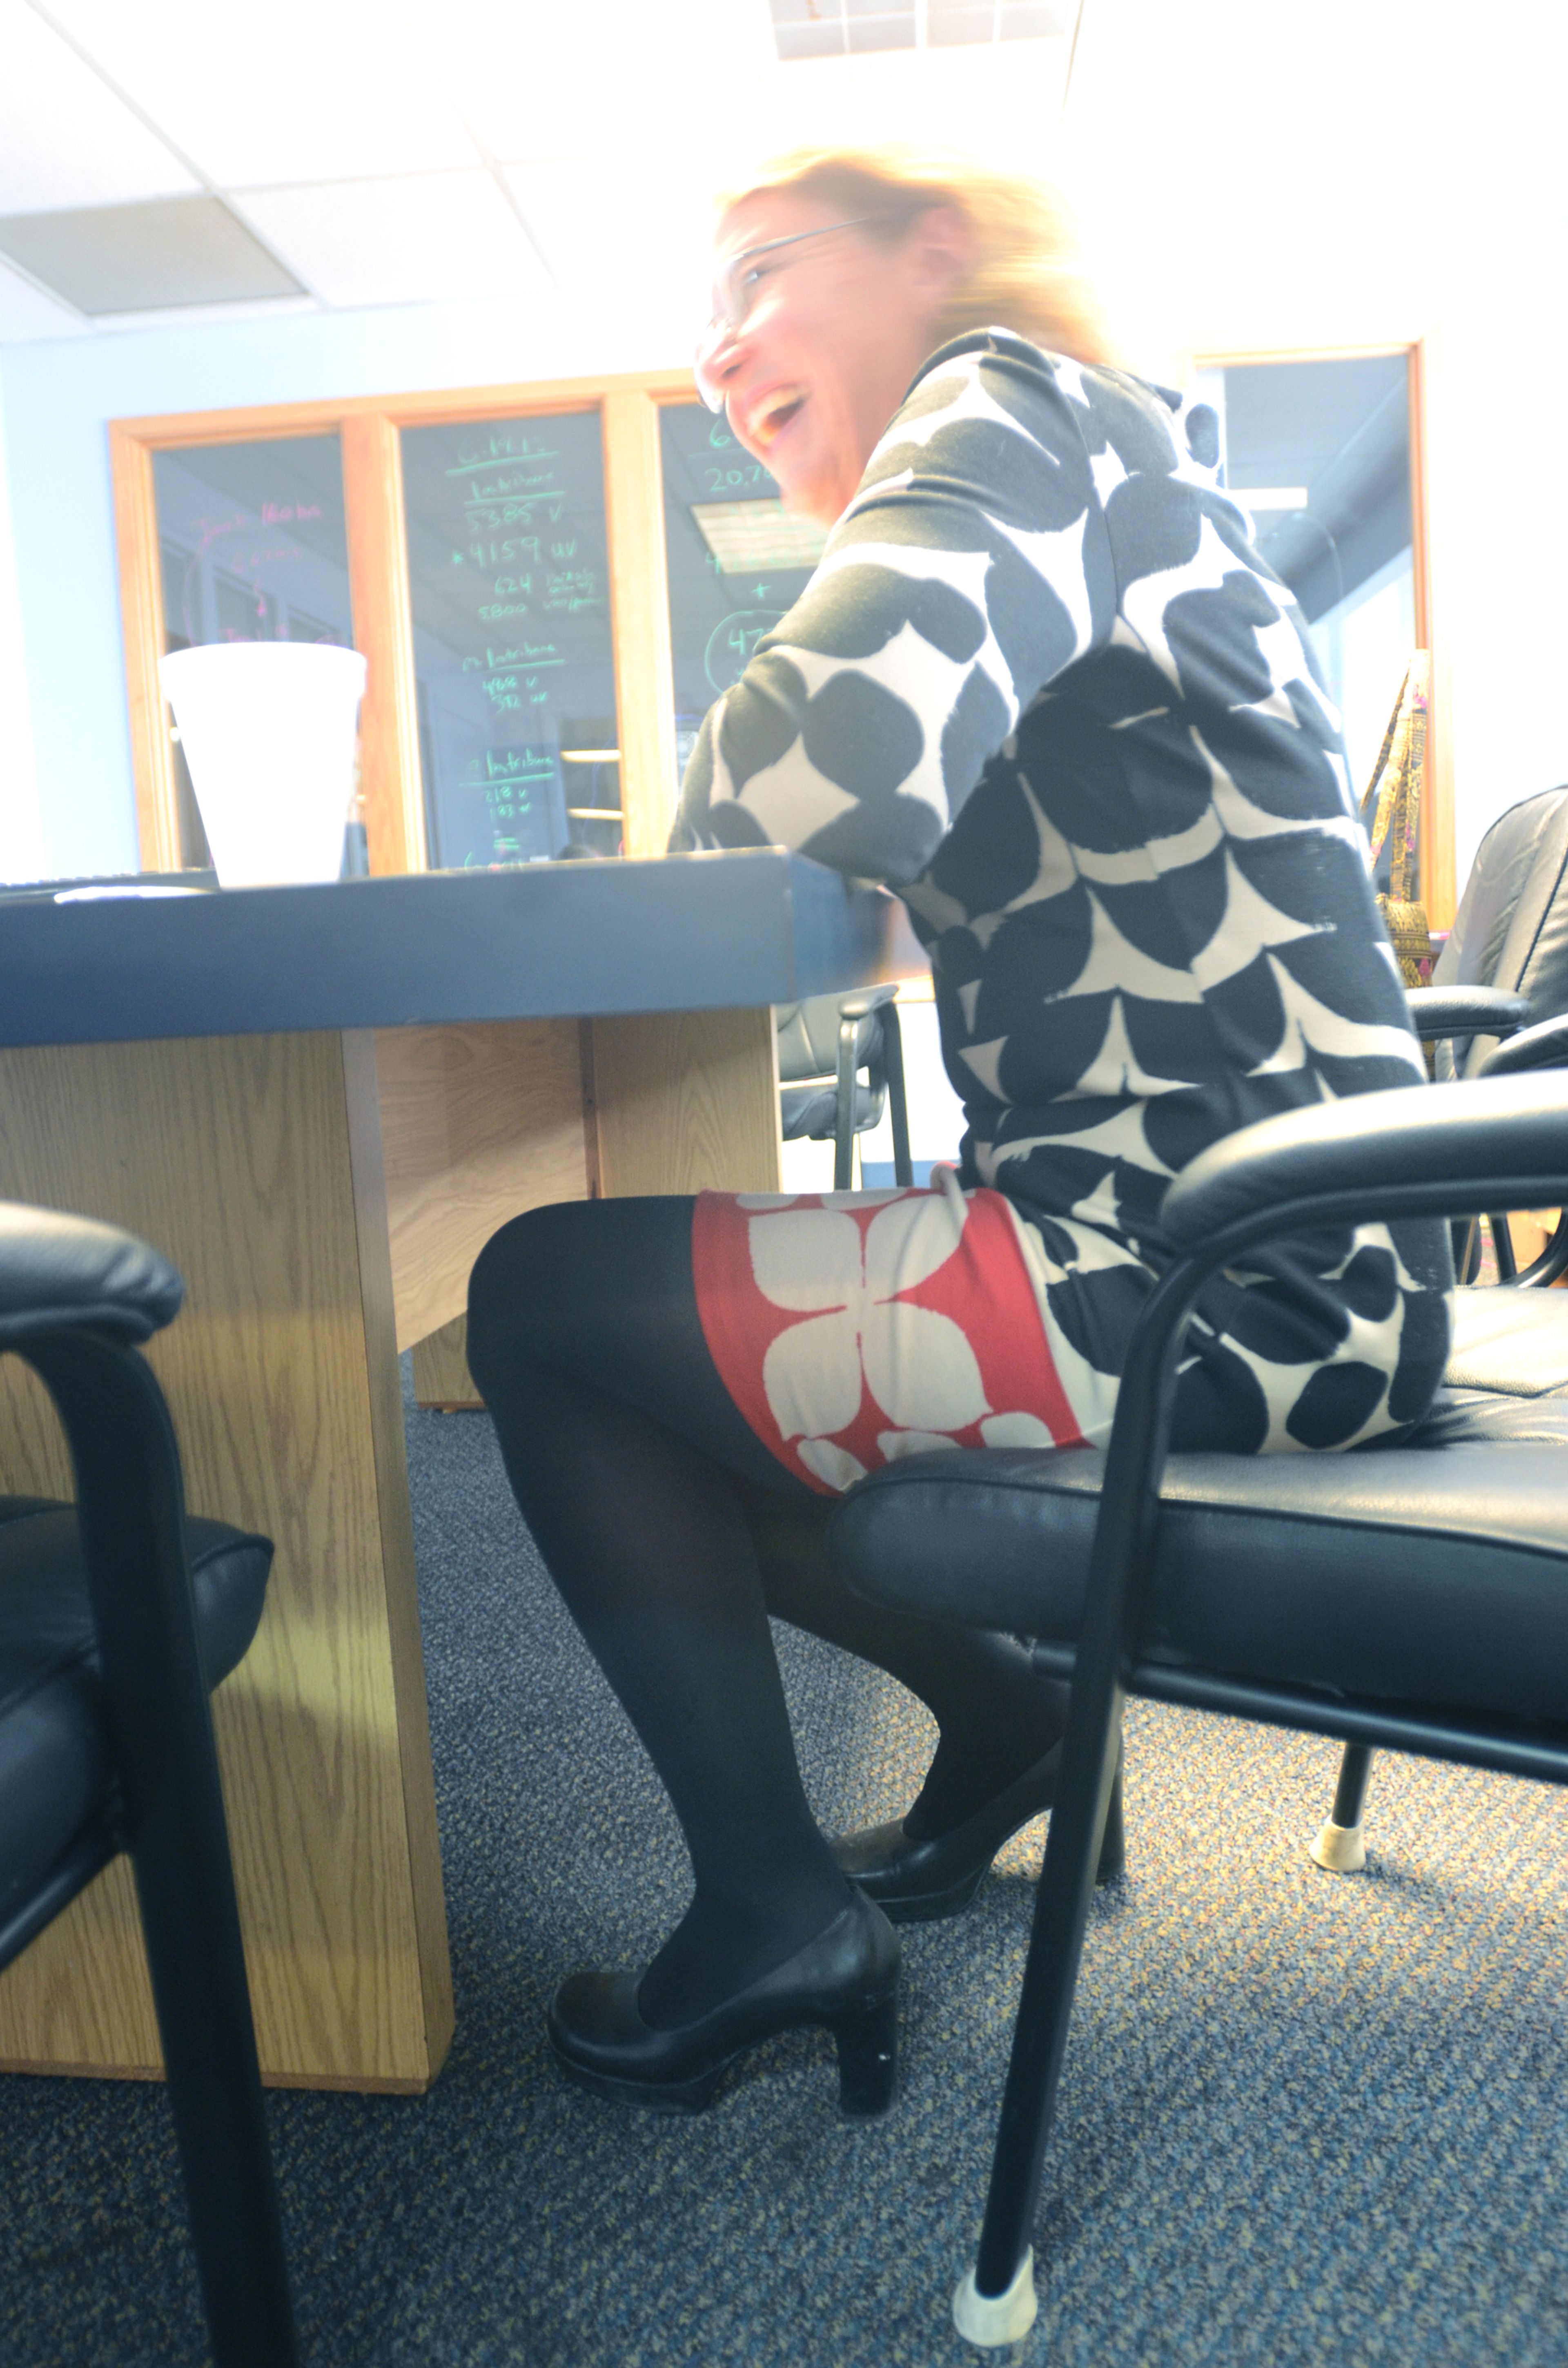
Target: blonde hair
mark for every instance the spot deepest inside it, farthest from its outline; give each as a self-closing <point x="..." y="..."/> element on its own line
<point x="1025" y="274"/>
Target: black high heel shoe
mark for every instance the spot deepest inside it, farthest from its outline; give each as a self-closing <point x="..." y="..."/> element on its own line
<point x="919" y="1882"/>
<point x="846" y="1981"/>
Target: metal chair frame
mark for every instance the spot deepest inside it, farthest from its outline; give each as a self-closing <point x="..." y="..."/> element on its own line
<point x="870" y="1037"/>
<point x="995" y="2304"/>
<point x="169" y="1815"/>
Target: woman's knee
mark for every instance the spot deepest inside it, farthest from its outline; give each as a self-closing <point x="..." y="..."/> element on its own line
<point x="514" y="1291"/>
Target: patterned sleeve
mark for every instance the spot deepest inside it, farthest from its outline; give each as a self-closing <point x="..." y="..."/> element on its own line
<point x="971" y="566"/>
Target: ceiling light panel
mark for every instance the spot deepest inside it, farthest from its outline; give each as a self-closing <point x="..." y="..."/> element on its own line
<point x="423" y="239"/>
<point x="309" y="90"/>
<point x="746" y="537"/>
<point x="26" y="314"/>
<point x="65" y="139"/>
<point x="163" y="253"/>
<point x="950" y="22"/>
<point x="819" y="29"/>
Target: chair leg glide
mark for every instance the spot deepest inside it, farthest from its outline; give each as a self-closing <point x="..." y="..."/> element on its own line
<point x="993" y="2320"/>
<point x="1341" y="1849"/>
<point x="1341" y="1846"/>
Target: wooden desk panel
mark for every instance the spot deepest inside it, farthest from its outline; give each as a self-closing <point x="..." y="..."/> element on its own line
<point x="183" y="1071"/>
<point x="664" y="1102"/>
<point x="254" y="1162"/>
<point x="478" y="1124"/>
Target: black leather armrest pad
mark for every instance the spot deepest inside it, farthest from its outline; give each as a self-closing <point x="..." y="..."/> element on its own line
<point x="1545" y="1046"/>
<point x="1507" y="1131"/>
<point x="1465" y="1010"/>
<point x="56" y="1270"/>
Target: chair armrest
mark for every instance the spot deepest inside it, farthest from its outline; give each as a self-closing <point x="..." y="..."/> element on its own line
<point x="59" y="1271"/>
<point x="865" y="1000"/>
<point x="1457" y="1150"/>
<point x="1465" y="1011"/>
<point x="1544" y="1046"/>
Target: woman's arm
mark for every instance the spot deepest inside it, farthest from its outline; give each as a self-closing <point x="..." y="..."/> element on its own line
<point x="973" y="566"/>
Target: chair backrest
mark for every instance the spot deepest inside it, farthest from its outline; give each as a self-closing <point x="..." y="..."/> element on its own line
<point x="1512" y="925"/>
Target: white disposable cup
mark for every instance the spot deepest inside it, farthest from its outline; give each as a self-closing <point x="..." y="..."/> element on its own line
<point x="268" y="730"/>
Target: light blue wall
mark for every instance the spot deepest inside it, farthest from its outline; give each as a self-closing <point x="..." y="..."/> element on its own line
<point x="57" y="399"/>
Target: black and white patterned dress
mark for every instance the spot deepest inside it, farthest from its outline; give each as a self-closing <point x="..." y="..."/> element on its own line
<point x="1044" y="686"/>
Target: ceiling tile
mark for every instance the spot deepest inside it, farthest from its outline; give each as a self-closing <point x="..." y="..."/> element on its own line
<point x="163" y="252"/>
<point x="65" y="139"/>
<point x="641" y="242"/>
<point x="25" y="312"/>
<point x="531" y="78"/>
<point x="867" y="33"/>
<point x="310" y="90"/>
<point x="821" y="40"/>
<point x="423" y="238"/>
<point x="1043" y="21"/>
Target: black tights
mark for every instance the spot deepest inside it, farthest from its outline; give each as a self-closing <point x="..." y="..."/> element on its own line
<point x="672" y="1533"/>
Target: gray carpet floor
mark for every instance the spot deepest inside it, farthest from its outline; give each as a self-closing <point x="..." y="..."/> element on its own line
<point x="1305" y="2118"/>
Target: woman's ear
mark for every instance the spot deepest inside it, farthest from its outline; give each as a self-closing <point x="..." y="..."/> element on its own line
<point x="939" y="253"/>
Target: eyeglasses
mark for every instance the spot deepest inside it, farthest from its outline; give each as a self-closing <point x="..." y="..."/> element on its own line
<point x="732" y="293"/>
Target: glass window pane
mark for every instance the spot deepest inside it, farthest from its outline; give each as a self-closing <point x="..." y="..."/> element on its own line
<point x="509" y="572"/>
<point x="252" y="547"/>
<point x="737" y="560"/>
<point x="1324" y="447"/>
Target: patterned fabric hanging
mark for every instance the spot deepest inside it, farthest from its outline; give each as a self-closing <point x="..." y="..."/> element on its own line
<point x="1391" y="811"/>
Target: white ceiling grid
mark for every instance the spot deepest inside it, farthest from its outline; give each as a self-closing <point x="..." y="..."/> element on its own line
<point x="423" y="237"/>
<point x="405" y="151"/>
<point x="831" y="28"/>
<point x="65" y="139"/>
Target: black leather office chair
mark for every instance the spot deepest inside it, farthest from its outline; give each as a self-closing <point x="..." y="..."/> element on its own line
<point x="117" y="1616"/>
<point x="1510" y="935"/>
<point x="1415" y="1597"/>
<point x="824" y="1045"/>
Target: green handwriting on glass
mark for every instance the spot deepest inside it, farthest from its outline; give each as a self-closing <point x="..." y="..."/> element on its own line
<point x="733" y="641"/>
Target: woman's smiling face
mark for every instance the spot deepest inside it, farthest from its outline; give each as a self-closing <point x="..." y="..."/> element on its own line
<point x="835" y="329"/>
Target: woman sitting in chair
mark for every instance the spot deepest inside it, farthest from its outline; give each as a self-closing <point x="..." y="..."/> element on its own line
<point x="1043" y="687"/>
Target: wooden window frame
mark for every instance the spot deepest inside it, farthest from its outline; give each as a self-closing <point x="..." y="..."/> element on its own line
<point x="629" y="406"/>
<point x="368" y="426"/>
<point x="1439" y="887"/>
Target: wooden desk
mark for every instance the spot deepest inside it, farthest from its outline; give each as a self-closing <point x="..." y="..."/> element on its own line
<point x="318" y="1103"/>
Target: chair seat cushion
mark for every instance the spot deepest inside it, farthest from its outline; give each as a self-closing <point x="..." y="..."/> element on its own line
<point x="1514" y="1341"/>
<point x="1432" y="1570"/>
<point x="54" y="1755"/>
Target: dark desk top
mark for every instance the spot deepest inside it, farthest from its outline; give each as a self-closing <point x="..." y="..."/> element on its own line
<point x="681" y="933"/>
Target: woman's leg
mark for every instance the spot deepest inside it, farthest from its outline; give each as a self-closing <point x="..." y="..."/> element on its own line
<point x="995" y="1713"/>
<point x="671" y="1532"/>
<point x="620" y="1444"/>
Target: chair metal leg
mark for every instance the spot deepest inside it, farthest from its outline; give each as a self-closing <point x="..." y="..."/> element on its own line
<point x="897" y="1105"/>
<point x="129" y="1502"/>
<point x="1112" y="1861"/>
<point x="1340" y="1846"/>
<point x="844" y="1119"/>
<point x="996" y="2303"/>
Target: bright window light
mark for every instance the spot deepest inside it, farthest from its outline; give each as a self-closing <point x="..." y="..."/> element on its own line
<point x="1270" y="497"/>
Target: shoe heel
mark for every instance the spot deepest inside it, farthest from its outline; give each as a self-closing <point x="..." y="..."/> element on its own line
<point x="868" y="2058"/>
